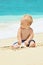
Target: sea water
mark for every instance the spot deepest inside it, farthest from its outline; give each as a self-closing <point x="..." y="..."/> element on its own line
<point x="20" y="7"/>
<point x="11" y="12"/>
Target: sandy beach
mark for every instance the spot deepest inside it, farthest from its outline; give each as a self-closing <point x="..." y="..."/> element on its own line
<point x="24" y="56"/>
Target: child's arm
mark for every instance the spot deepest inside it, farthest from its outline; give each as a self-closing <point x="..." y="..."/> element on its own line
<point x="19" y="36"/>
<point x="30" y="37"/>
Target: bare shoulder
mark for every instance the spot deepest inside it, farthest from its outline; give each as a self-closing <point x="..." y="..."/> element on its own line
<point x="31" y="30"/>
<point x="19" y="29"/>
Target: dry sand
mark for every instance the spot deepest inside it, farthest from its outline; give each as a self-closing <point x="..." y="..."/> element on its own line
<point x="24" y="56"/>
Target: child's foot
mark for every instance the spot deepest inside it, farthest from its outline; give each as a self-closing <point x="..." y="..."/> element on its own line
<point x="15" y="47"/>
<point x="22" y="46"/>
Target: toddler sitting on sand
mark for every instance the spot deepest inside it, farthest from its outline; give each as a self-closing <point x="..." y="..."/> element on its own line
<point x="25" y="33"/>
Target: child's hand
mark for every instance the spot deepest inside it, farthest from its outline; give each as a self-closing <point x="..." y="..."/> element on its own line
<point x="26" y="43"/>
<point x="22" y="45"/>
<point x="19" y="42"/>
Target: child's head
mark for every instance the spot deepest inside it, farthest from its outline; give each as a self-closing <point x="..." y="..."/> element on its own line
<point x="26" y="21"/>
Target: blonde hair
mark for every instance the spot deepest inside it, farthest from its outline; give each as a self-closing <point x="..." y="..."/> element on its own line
<point x="30" y="19"/>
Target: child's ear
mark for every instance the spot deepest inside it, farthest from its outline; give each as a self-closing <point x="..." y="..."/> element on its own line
<point x="28" y="23"/>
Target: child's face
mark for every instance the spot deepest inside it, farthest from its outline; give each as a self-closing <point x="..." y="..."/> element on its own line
<point x="25" y="23"/>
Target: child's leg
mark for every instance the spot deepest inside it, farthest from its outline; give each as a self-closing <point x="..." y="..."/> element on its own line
<point x="15" y="45"/>
<point x="31" y="43"/>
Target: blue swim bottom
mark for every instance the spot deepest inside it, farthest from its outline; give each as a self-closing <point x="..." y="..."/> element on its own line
<point x="28" y="42"/>
<point x="24" y="41"/>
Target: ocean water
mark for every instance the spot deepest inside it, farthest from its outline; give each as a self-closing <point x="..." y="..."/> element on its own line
<point x="11" y="12"/>
<point x="20" y="7"/>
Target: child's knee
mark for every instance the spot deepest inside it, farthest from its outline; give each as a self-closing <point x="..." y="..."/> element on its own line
<point x="32" y="44"/>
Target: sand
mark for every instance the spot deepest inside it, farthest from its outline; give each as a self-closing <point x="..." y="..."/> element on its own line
<point x="24" y="56"/>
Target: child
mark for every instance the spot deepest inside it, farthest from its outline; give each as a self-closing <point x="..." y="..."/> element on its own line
<point x="25" y="32"/>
